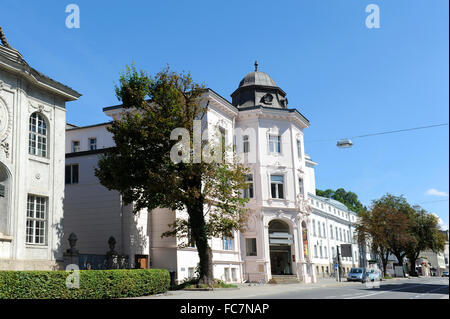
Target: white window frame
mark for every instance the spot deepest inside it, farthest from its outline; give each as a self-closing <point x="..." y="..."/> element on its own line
<point x="228" y="243"/>
<point x="278" y="141"/>
<point x="246" y="144"/>
<point x="90" y="143"/>
<point x="74" y="149"/>
<point x="36" y="225"/>
<point x="277" y="189"/>
<point x="250" y="186"/>
<point x="299" y="148"/>
<point x="301" y="186"/>
<point x="38" y="129"/>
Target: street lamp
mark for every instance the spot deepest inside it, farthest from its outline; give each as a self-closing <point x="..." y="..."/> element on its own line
<point x="346" y="143"/>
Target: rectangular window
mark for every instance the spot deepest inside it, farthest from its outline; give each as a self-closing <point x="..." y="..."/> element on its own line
<point x="300" y="183"/>
<point x="36" y="220"/>
<point x="276" y="186"/>
<point x="234" y="274"/>
<point x="299" y="149"/>
<point x="223" y="141"/>
<point x="246" y="144"/>
<point x="92" y="144"/>
<point x="228" y="243"/>
<point x="314" y="227"/>
<point x="227" y="274"/>
<point x="331" y="231"/>
<point x="320" y="230"/>
<point x="248" y="192"/>
<point x="191" y="272"/>
<point x="251" y="246"/>
<point x="275" y="143"/>
<point x="72" y="174"/>
<point x="75" y="146"/>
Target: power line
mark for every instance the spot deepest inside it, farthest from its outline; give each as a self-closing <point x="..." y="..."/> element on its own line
<point x="434" y="201"/>
<point x="382" y="133"/>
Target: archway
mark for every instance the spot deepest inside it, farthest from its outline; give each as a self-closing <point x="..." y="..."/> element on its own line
<point x="4" y="198"/>
<point x="280" y="242"/>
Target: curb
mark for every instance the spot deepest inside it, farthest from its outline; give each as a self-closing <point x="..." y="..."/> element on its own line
<point x="209" y="289"/>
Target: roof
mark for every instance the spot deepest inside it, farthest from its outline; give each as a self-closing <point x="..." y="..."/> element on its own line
<point x="74" y="127"/>
<point x="12" y="60"/>
<point x="275" y="109"/>
<point x="333" y="202"/>
<point x="257" y="78"/>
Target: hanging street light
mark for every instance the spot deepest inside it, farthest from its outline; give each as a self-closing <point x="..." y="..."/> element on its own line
<point x="346" y="143"/>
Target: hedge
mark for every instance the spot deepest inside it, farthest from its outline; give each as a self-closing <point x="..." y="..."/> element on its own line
<point x="94" y="284"/>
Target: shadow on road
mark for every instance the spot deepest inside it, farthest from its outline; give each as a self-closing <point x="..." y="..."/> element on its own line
<point x="413" y="288"/>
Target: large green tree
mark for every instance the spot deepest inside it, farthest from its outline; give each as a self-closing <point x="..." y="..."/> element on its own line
<point x="426" y="236"/>
<point x="142" y="169"/>
<point x="349" y="199"/>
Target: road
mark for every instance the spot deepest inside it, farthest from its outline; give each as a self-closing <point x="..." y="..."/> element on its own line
<point x="415" y="288"/>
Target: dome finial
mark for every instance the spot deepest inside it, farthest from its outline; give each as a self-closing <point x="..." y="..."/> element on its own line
<point x="256" y="66"/>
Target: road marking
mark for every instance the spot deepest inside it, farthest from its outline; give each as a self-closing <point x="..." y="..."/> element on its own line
<point x="381" y="292"/>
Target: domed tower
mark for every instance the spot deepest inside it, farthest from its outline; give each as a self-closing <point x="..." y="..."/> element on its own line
<point x="258" y="88"/>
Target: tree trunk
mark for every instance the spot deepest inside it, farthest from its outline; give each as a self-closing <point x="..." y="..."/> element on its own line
<point x="399" y="257"/>
<point x="197" y="223"/>
<point x="412" y="264"/>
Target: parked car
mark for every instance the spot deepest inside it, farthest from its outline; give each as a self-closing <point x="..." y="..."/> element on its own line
<point x="374" y="274"/>
<point x="445" y="274"/>
<point x="357" y="274"/>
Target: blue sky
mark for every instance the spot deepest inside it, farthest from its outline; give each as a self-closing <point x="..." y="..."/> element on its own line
<point x="345" y="78"/>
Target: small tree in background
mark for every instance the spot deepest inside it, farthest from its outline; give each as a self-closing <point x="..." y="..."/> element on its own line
<point x="141" y="169"/>
<point x="372" y="228"/>
<point x="349" y="199"/>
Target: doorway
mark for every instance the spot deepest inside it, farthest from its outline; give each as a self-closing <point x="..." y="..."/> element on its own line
<point x="280" y="241"/>
<point x="140" y="261"/>
<point x="280" y="260"/>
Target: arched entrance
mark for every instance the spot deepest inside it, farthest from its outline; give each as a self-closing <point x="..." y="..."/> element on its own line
<point x="4" y="198"/>
<point x="280" y="242"/>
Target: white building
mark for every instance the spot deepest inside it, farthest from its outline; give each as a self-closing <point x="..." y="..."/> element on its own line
<point x="279" y="238"/>
<point x="32" y="127"/>
<point x="332" y="225"/>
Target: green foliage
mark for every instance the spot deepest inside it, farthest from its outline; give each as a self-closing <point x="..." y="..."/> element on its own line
<point x="141" y="168"/>
<point x="94" y="284"/>
<point x="426" y="236"/>
<point x="349" y="199"/>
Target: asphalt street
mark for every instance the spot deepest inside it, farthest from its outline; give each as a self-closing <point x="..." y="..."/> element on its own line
<point x="414" y="288"/>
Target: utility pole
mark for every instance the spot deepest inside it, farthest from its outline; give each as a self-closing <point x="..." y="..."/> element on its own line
<point x="338" y="262"/>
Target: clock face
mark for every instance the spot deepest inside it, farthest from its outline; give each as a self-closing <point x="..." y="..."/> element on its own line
<point x="4" y="120"/>
<point x="268" y="98"/>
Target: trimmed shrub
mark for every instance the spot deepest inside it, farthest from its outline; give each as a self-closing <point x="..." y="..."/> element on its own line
<point x="94" y="284"/>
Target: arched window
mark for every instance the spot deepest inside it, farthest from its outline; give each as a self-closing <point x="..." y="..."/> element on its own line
<point x="37" y="136"/>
